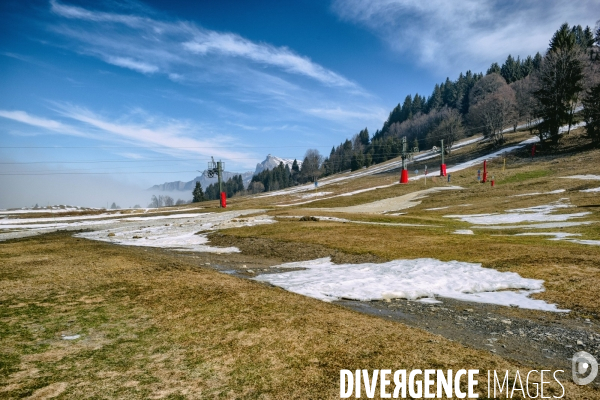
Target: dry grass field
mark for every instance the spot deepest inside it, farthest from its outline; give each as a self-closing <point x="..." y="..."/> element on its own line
<point x="157" y="325"/>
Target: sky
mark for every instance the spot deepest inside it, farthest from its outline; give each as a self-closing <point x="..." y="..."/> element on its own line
<point x="101" y="100"/>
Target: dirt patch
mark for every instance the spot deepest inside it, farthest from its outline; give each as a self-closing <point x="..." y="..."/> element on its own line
<point x="390" y="204"/>
<point x="49" y="392"/>
<point x="288" y="251"/>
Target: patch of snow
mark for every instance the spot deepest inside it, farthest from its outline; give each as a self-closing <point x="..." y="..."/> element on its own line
<point x="185" y="235"/>
<point x="463" y="232"/>
<point x="538" y="193"/>
<point x="437" y="208"/>
<point x="429" y="300"/>
<point x="408" y="279"/>
<point x="530" y="214"/>
<point x="61" y="219"/>
<point x="548" y="225"/>
<point x="557" y="235"/>
<point x="587" y="242"/>
<point x="591" y="190"/>
<point x="71" y="337"/>
<point x="318" y="194"/>
<point x="583" y="177"/>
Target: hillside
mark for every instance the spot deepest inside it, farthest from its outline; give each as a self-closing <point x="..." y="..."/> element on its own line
<point x="182" y="295"/>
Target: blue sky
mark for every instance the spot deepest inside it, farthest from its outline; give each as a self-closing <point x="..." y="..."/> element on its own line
<point x="100" y="98"/>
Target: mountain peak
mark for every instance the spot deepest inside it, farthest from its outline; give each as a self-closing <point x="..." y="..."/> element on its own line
<point x="272" y="161"/>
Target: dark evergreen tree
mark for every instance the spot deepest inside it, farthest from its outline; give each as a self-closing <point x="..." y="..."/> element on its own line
<point x="435" y="101"/>
<point x="364" y="137"/>
<point x="537" y="61"/>
<point x="563" y="39"/>
<point x="197" y="193"/>
<point x="527" y="67"/>
<point x="493" y="69"/>
<point x="406" y="109"/>
<point x="591" y="113"/>
<point x="560" y="81"/>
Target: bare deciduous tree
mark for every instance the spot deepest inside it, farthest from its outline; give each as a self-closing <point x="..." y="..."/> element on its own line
<point x="256" y="187"/>
<point x="449" y="129"/>
<point x="493" y="106"/>
<point x="311" y="166"/>
<point x="168" y="201"/>
<point x="526" y="102"/>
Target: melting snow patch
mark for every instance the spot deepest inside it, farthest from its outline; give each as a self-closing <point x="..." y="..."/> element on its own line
<point x="318" y="194"/>
<point x="557" y="235"/>
<point x="463" y="232"/>
<point x="72" y="337"/>
<point x="584" y="177"/>
<point x="429" y="300"/>
<point x="538" y="193"/>
<point x="549" y="225"/>
<point x="530" y="214"/>
<point x="188" y="235"/>
<point x="409" y="279"/>
<point x="591" y="190"/>
<point x="588" y="242"/>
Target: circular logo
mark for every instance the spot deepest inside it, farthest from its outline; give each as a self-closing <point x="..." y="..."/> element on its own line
<point x="585" y="368"/>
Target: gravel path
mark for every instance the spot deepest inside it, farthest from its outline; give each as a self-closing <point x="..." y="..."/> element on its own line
<point x="534" y="338"/>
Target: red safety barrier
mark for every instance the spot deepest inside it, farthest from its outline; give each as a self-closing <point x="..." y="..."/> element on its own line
<point x="484" y="180"/>
<point x="404" y="176"/>
<point x="443" y="170"/>
<point x="492" y="183"/>
<point x="223" y="199"/>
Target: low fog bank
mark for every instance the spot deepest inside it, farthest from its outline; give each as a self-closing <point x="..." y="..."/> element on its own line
<point x="76" y="190"/>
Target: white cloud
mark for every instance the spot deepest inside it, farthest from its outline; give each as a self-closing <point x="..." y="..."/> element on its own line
<point x="339" y="114"/>
<point x="148" y="45"/>
<point x="39" y="122"/>
<point x="173" y="137"/>
<point x="138" y="66"/>
<point x="234" y="45"/>
<point x="453" y="36"/>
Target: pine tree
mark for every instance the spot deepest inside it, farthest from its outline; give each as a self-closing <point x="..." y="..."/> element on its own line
<point x="364" y="137"/>
<point x="560" y="81"/>
<point x="493" y="69"/>
<point x="527" y="67"/>
<point x="563" y="39"/>
<point x="537" y="61"/>
<point x="197" y="193"/>
<point x="406" y="109"/>
<point x="591" y="113"/>
<point x="435" y="100"/>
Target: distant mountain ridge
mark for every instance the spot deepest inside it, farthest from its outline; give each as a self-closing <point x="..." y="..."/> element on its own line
<point x="272" y="162"/>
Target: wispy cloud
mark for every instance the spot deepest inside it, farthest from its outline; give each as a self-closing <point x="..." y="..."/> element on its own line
<point x="338" y="113"/>
<point x="234" y="45"/>
<point x="44" y="123"/>
<point x="138" y="66"/>
<point x="153" y="45"/>
<point x="452" y="36"/>
<point x="168" y="136"/>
